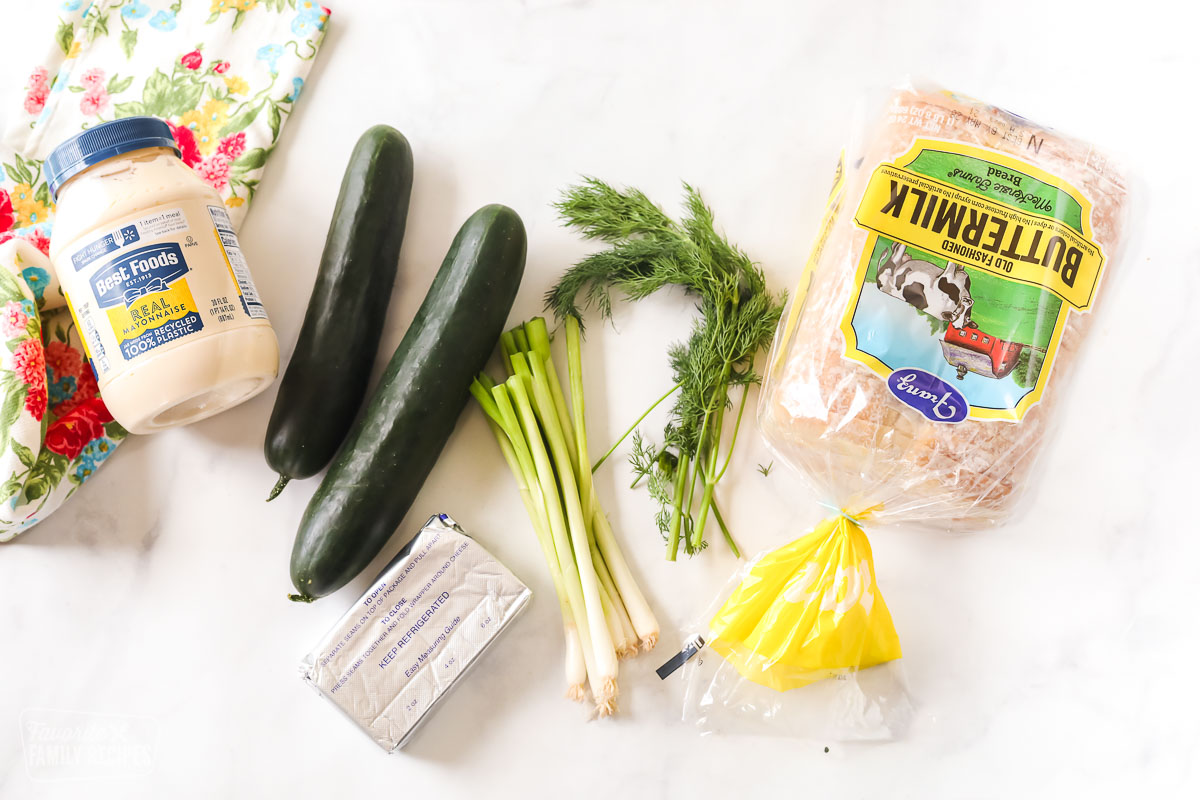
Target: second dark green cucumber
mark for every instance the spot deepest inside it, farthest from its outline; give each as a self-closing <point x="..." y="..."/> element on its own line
<point x="326" y="379"/>
<point x="382" y="465"/>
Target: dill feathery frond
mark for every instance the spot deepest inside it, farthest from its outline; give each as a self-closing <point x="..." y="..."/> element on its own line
<point x="649" y="251"/>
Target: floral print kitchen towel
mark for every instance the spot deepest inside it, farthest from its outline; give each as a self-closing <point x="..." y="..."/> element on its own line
<point x="54" y="429"/>
<point x="225" y="75"/>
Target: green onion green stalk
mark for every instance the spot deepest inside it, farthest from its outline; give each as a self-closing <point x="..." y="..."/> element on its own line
<point x="543" y="439"/>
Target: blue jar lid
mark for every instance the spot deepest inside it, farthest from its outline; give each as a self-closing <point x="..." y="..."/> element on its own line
<point x="102" y="142"/>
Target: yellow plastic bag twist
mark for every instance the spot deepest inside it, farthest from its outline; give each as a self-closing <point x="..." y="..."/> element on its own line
<point x="809" y="610"/>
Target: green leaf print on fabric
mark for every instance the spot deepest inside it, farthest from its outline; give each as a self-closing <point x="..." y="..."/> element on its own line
<point x="156" y="94"/>
<point x="253" y="159"/>
<point x="24" y="454"/>
<point x="240" y="122"/>
<point x="10" y="410"/>
<point x="134" y="108"/>
<point x="10" y="487"/>
<point x="118" y="84"/>
<point x="129" y="39"/>
<point x="10" y="290"/>
<point x="65" y="35"/>
<point x="184" y="99"/>
<point x="95" y="23"/>
<point x="46" y="473"/>
<point x="275" y="121"/>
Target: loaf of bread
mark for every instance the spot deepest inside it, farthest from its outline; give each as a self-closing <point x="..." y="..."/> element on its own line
<point x="835" y="418"/>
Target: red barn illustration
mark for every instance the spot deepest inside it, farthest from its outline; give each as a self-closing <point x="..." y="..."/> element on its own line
<point x="969" y="349"/>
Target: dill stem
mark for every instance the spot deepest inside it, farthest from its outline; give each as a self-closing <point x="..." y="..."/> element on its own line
<point x="681" y="476"/>
<point x="737" y="424"/>
<point x="710" y="468"/>
<point x="693" y="543"/>
<point x="689" y="492"/>
<point x="633" y="427"/>
<point x="725" y="530"/>
<point x="716" y="413"/>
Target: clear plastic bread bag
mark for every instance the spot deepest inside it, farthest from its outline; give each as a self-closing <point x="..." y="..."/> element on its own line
<point x="912" y="379"/>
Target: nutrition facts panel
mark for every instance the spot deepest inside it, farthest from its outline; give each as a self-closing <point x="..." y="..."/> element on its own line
<point x="237" y="263"/>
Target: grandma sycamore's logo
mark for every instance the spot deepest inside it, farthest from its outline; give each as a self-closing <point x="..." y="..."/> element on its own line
<point x="138" y="273"/>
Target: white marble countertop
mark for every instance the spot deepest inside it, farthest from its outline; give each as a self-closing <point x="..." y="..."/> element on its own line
<point x="1053" y="656"/>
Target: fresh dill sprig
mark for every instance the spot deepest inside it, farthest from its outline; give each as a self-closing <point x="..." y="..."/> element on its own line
<point x="738" y="314"/>
<point x="657" y="468"/>
<point x="766" y="471"/>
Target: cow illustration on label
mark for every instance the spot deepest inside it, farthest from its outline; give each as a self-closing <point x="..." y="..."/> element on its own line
<point x="943" y="293"/>
<point x="146" y="298"/>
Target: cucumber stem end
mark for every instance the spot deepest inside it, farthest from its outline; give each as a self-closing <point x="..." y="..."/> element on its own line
<point x="279" y="484"/>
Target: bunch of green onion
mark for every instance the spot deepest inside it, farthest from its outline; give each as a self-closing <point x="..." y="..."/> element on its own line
<point x="544" y="441"/>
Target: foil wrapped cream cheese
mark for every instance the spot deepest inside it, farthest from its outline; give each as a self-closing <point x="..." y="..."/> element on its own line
<point x="424" y="622"/>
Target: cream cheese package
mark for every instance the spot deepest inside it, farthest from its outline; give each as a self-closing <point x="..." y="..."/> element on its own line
<point x="418" y="628"/>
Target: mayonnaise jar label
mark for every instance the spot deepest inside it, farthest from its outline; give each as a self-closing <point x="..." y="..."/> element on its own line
<point x="134" y="287"/>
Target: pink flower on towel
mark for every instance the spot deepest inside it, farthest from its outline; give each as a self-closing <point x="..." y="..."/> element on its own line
<point x="39" y="77"/>
<point x="35" y="101"/>
<point x="93" y="78"/>
<point x="39" y="240"/>
<point x="34" y="237"/>
<point x="29" y="363"/>
<point x="94" y="101"/>
<point x="13" y="320"/>
<point x="35" y="400"/>
<point x="232" y="146"/>
<point x="215" y="171"/>
<point x="39" y="90"/>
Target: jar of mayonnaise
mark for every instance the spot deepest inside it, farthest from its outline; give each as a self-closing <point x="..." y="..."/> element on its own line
<point x="154" y="277"/>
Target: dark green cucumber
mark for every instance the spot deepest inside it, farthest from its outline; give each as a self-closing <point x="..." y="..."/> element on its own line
<point x="325" y="381"/>
<point x="384" y="461"/>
